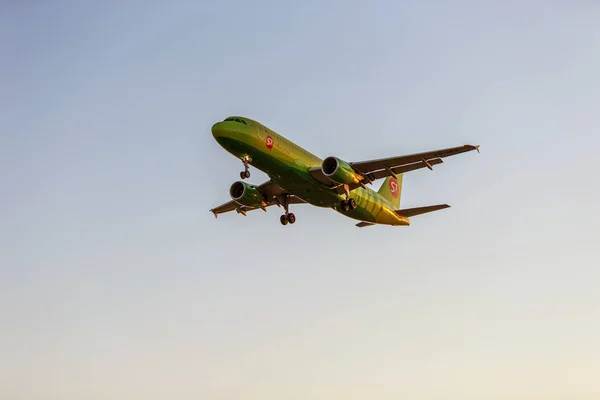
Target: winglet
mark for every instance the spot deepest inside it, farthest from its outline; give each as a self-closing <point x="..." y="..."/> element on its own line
<point x="475" y="147"/>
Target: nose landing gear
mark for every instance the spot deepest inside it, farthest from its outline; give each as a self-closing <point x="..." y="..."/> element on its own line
<point x="246" y="172"/>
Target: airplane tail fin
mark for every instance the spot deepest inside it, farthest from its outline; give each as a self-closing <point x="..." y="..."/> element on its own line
<point x="391" y="190"/>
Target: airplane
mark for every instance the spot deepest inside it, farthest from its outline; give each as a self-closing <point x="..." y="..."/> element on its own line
<point x="299" y="177"/>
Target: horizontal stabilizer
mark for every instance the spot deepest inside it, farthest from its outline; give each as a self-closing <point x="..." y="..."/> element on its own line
<point x="411" y="212"/>
<point x="363" y="224"/>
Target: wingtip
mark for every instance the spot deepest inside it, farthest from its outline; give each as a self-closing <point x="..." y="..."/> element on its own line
<point x="473" y="147"/>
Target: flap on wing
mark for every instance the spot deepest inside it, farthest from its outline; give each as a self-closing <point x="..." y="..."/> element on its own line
<point x="411" y="212"/>
<point x="383" y="173"/>
<point x="227" y="207"/>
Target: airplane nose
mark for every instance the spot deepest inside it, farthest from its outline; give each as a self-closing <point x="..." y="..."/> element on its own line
<point x="218" y="130"/>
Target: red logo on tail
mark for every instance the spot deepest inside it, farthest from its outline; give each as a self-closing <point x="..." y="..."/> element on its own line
<point x="394" y="187"/>
<point x="269" y="142"/>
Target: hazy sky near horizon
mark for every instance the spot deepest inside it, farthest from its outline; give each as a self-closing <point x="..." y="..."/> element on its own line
<point x="117" y="282"/>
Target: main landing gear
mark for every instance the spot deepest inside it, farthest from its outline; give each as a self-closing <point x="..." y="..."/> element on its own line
<point x="246" y="173"/>
<point x="285" y="218"/>
<point x="288" y="217"/>
<point x="349" y="204"/>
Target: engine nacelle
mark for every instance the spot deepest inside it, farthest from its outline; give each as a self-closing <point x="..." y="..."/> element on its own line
<point x="245" y="194"/>
<point x="339" y="171"/>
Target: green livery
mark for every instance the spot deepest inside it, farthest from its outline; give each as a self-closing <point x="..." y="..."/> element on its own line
<point x="299" y="177"/>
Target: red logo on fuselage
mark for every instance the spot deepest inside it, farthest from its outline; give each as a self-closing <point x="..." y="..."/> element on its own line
<point x="269" y="142"/>
<point x="394" y="187"/>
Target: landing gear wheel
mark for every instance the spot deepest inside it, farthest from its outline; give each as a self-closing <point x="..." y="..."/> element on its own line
<point x="284" y="220"/>
<point x="344" y="205"/>
<point x="245" y="173"/>
<point x="291" y="218"/>
<point x="352" y="203"/>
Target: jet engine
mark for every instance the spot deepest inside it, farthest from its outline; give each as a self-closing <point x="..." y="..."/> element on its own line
<point x="246" y="194"/>
<point x="339" y="171"/>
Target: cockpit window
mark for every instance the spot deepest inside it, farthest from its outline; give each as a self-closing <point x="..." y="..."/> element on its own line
<point x="241" y="121"/>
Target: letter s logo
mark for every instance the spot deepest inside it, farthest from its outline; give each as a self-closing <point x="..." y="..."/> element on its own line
<point x="269" y="142"/>
<point x="394" y="187"/>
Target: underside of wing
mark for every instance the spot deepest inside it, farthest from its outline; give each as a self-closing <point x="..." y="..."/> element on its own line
<point x="417" y="160"/>
<point x="363" y="172"/>
<point x="265" y="195"/>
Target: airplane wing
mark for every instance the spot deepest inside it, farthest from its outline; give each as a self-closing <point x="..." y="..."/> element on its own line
<point x="371" y="170"/>
<point x="418" y="160"/>
<point x="273" y="193"/>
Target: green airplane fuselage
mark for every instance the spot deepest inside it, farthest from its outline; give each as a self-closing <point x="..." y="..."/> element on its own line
<point x="288" y="164"/>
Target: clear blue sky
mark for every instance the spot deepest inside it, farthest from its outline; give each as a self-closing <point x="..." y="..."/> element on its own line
<point x="117" y="282"/>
